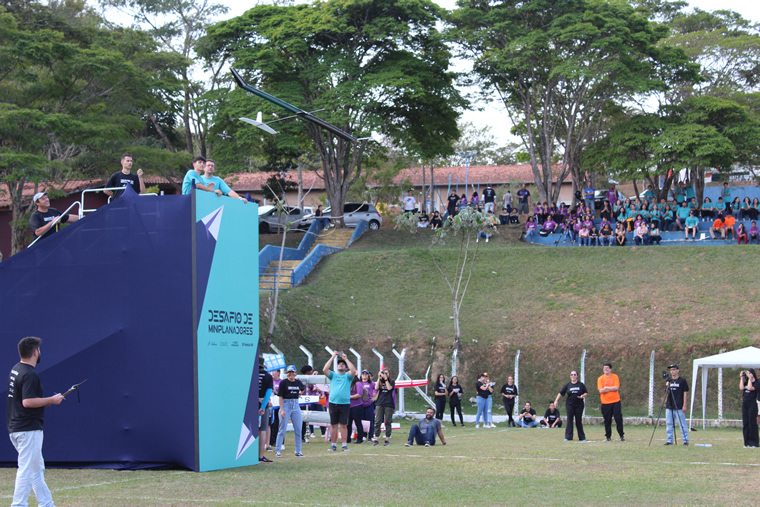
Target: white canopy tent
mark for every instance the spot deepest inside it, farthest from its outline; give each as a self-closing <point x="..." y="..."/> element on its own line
<point x="748" y="357"/>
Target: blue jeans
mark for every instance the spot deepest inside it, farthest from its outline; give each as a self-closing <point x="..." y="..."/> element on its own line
<point x="417" y="435"/>
<point x="290" y="410"/>
<point x="531" y="424"/>
<point x="31" y="470"/>
<point x="489" y="410"/>
<point x="481" y="413"/>
<point x="670" y="416"/>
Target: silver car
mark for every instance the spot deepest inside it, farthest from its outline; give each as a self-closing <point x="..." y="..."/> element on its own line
<point x="355" y="212"/>
<point x="271" y="221"/>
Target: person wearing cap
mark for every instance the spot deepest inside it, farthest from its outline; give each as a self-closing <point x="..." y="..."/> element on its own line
<point x="608" y="385"/>
<point x="125" y="177"/>
<point x="675" y="405"/>
<point x="44" y="220"/>
<point x="289" y="391"/>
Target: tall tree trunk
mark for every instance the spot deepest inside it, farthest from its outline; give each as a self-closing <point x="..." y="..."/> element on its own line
<point x="424" y="194"/>
<point x="299" y="169"/>
<point x="433" y="204"/>
<point x="186" y="117"/>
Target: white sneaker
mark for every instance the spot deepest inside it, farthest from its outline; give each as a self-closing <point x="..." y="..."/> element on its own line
<point x="477" y="426"/>
<point x="493" y="425"/>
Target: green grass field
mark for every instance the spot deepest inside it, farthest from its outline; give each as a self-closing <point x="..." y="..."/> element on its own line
<point x="618" y="304"/>
<point x="478" y="467"/>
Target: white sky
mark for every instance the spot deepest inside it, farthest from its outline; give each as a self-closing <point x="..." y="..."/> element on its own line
<point x="493" y="114"/>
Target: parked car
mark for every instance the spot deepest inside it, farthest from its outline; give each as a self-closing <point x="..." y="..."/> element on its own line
<point x="601" y="195"/>
<point x="353" y="213"/>
<point x="271" y="221"/>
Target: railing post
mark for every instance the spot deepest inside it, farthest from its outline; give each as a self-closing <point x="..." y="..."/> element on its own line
<point x="582" y="373"/>
<point x="517" y="378"/>
<point x="720" y="392"/>
<point x="401" y="359"/>
<point x="335" y="359"/>
<point x="309" y="355"/>
<point x="651" y="385"/>
<point x="358" y="361"/>
<point x="278" y="351"/>
<point x="380" y="357"/>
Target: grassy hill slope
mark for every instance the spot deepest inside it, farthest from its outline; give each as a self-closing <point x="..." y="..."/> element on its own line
<point x="551" y="303"/>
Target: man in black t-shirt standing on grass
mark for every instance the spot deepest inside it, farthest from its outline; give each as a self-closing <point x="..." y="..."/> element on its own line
<point x="44" y="220"/>
<point x="25" y="407"/>
<point x="125" y="177"/>
<point x="675" y="405"/>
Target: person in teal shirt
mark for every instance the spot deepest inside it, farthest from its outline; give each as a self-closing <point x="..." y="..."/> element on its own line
<point x="217" y="184"/>
<point x="340" y="398"/>
<point x="681" y="214"/>
<point x="707" y="208"/>
<point x="691" y="225"/>
<point x="726" y="192"/>
<point x="195" y="176"/>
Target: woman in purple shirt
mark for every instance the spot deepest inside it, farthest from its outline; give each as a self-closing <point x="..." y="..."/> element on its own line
<point x="362" y="392"/>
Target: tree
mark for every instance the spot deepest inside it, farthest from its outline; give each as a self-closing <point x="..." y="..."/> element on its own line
<point x="75" y="96"/>
<point x="460" y="231"/>
<point x="557" y="64"/>
<point x="373" y="66"/>
<point x="482" y="147"/>
<point x="727" y="48"/>
<point x="177" y="25"/>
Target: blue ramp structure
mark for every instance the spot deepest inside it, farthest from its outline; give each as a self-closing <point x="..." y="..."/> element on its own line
<point x="153" y="300"/>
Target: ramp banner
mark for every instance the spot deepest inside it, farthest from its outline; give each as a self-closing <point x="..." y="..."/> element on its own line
<point x="227" y="334"/>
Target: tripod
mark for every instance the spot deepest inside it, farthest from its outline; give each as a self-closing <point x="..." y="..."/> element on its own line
<point x="668" y="392"/>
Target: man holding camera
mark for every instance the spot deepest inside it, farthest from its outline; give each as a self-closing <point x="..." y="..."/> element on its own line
<point x="675" y="405"/>
<point x="340" y="398"/>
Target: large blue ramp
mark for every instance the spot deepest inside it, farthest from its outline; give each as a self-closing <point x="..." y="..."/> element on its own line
<point x="154" y="300"/>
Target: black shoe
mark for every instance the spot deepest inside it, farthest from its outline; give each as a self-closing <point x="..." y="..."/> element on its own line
<point x="668" y="443"/>
<point x="686" y="444"/>
<point x="608" y="439"/>
<point x="264" y="459"/>
<point x="622" y="438"/>
<point x="454" y="424"/>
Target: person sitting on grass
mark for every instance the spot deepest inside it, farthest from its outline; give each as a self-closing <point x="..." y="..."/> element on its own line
<point x="530" y="227"/>
<point x="527" y="417"/>
<point x="691" y="224"/>
<point x="424" y="431"/>
<point x="436" y="222"/>
<point x="424" y="221"/>
<point x="549" y="226"/>
<point x="741" y="235"/>
<point x="654" y="234"/>
<point x="718" y="227"/>
<point x="552" y="418"/>
<point x="620" y="234"/>
<point x="754" y="232"/>
<point x="504" y="216"/>
<point x="489" y="224"/>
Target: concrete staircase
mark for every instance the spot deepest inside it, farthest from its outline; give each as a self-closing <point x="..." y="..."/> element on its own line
<point x="333" y="237"/>
<point x="338" y="238"/>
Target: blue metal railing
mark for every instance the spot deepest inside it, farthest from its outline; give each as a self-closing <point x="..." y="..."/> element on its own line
<point x="360" y="229"/>
<point x="306" y="266"/>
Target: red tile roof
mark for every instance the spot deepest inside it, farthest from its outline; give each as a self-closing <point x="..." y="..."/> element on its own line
<point x="495" y="175"/>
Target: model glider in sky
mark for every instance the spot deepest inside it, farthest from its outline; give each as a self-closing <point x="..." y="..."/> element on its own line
<point x="258" y="123"/>
<point x="305" y="115"/>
